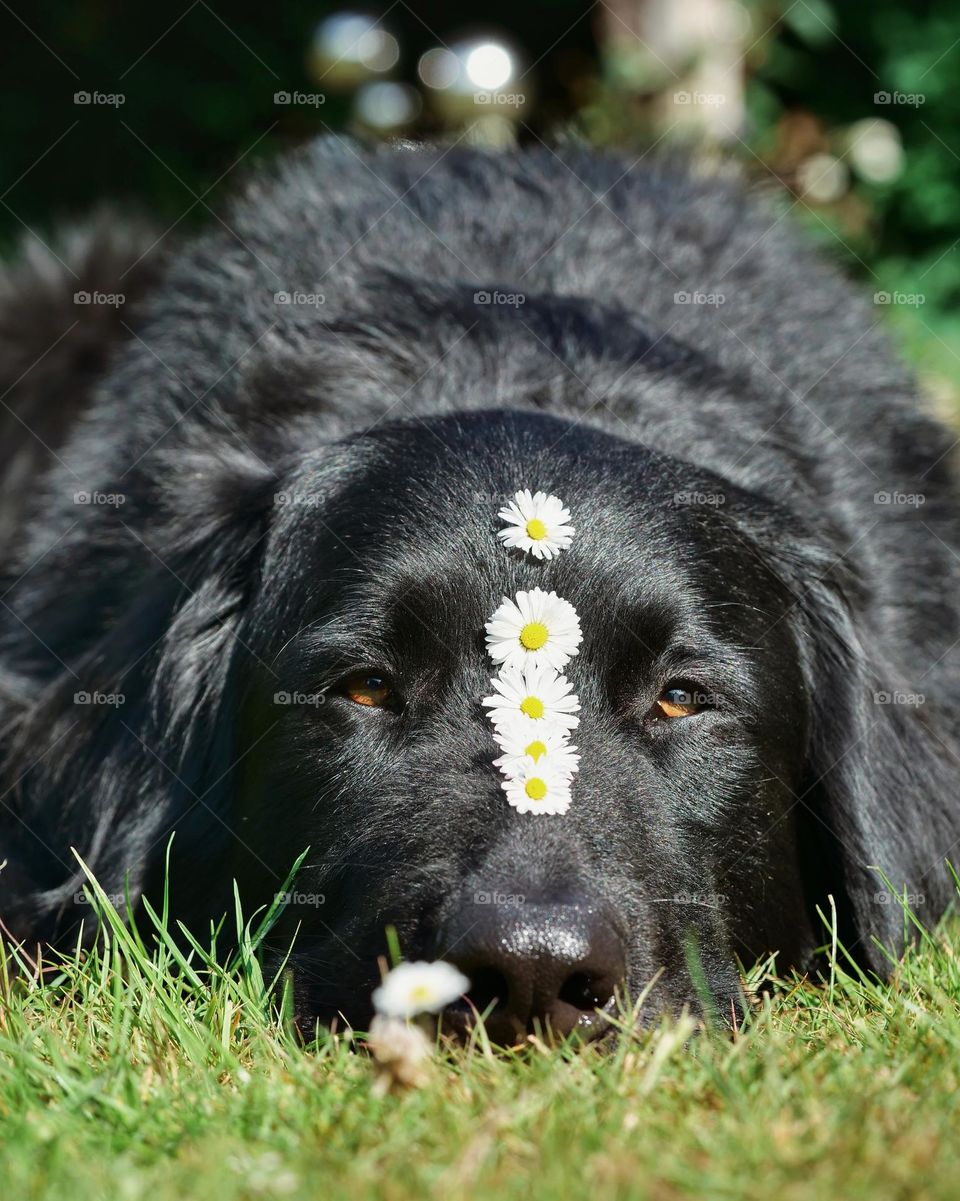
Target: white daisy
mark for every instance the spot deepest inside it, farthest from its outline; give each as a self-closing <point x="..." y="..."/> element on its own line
<point x="413" y="988"/>
<point x="538" y="694"/>
<point x="538" y="627"/>
<point x="523" y="742"/>
<point x="539" y="524"/>
<point x="538" y="788"/>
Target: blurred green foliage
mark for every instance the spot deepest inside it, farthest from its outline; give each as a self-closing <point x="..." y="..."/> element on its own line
<point x="198" y="80"/>
<point x="832" y="60"/>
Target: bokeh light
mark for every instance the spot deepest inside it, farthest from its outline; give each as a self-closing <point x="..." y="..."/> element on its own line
<point x="475" y="78"/>
<point x="386" y="107"/>
<point x="348" y="47"/>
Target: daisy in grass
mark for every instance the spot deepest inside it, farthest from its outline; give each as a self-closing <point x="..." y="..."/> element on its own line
<point x="538" y="788"/>
<point x="538" y="627"/>
<point x="413" y="988"/>
<point x="536" y="523"/>
<point x="537" y="694"/>
<point x="523" y="742"/>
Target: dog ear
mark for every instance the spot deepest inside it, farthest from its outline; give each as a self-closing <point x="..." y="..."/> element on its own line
<point x="106" y="751"/>
<point x="881" y="789"/>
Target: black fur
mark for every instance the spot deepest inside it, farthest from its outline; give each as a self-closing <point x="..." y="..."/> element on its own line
<point x="313" y="488"/>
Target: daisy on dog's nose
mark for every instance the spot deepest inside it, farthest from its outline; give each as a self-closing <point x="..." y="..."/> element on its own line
<point x="538" y="627"/>
<point x="523" y="741"/>
<point x="536" y="696"/>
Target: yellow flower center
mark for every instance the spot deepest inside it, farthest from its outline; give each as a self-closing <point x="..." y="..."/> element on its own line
<point x="532" y="706"/>
<point x="533" y="635"/>
<point x="420" y="992"/>
<point x="536" y="529"/>
<point x="535" y="789"/>
<point x="535" y="750"/>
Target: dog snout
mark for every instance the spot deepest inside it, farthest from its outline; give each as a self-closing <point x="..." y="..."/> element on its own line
<point x="535" y="967"/>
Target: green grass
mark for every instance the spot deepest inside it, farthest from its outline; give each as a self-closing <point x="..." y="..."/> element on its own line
<point x="121" y="1076"/>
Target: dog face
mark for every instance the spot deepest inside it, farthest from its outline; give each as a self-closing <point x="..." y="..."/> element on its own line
<point x="362" y="735"/>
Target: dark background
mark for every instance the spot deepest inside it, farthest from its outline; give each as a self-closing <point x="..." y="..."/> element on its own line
<point x="198" y="81"/>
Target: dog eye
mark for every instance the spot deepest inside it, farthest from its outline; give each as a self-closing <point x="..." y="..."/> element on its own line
<point x="677" y="702"/>
<point x="369" y="688"/>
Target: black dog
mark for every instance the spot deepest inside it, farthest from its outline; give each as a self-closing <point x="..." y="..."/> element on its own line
<point x="278" y="499"/>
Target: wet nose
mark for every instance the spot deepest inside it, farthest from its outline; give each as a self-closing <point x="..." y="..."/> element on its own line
<point x="547" y="967"/>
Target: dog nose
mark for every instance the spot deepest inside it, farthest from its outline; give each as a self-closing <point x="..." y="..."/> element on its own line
<point x="535" y="967"/>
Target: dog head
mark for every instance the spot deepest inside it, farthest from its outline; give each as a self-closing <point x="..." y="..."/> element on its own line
<point x="363" y="736"/>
